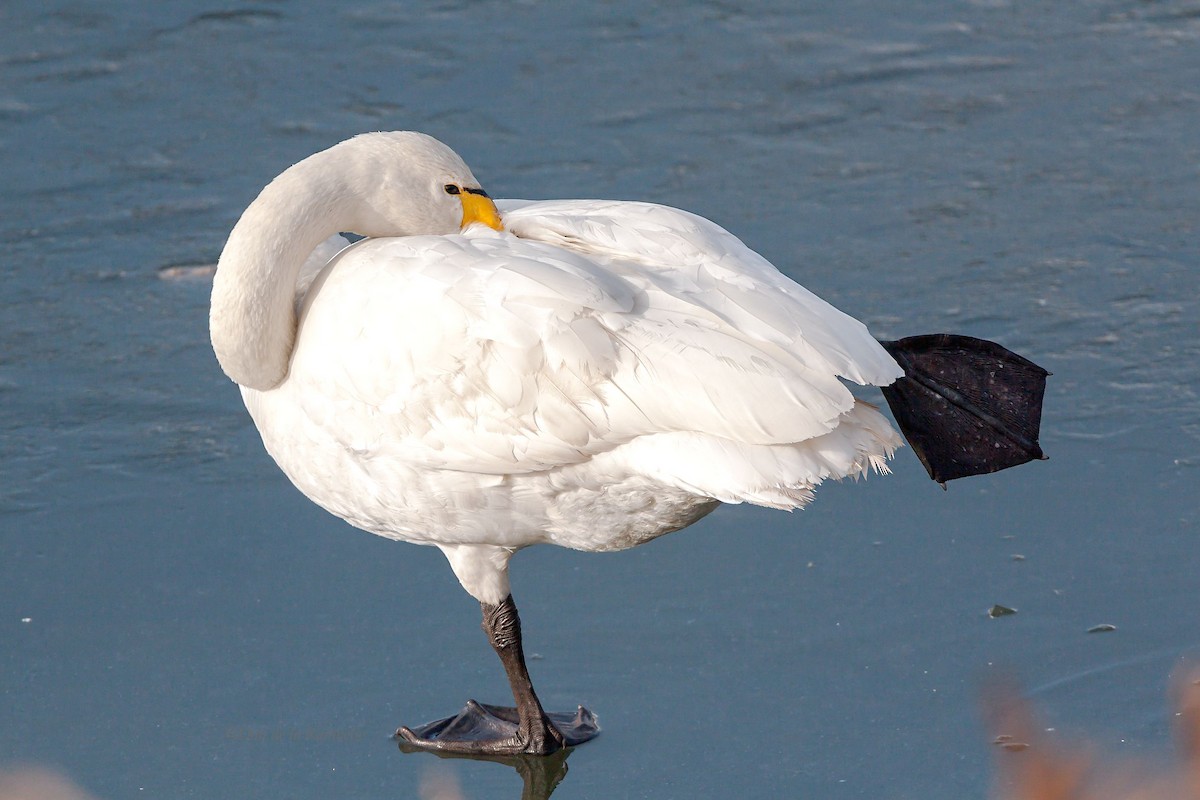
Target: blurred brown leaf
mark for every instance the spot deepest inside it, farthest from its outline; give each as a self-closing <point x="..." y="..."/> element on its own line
<point x="36" y="783"/>
<point x="1032" y="765"/>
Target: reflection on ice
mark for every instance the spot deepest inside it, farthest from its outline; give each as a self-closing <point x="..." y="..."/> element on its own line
<point x="540" y="775"/>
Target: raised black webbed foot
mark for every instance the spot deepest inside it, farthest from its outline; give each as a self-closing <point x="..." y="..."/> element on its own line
<point x="484" y="730"/>
<point x="967" y="406"/>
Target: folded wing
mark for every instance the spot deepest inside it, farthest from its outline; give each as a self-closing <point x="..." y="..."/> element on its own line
<point x="590" y="326"/>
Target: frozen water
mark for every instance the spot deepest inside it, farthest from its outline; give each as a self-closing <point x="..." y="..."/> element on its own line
<point x="1025" y="172"/>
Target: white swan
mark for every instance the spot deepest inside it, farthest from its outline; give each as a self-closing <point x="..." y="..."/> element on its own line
<point x="583" y="373"/>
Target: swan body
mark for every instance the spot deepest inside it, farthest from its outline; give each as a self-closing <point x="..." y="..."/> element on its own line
<point x="590" y="374"/>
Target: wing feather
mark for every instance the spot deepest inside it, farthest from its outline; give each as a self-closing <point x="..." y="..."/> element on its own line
<point x="697" y="260"/>
<point x="596" y="324"/>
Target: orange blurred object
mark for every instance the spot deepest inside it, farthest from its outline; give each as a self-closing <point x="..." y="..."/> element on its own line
<point x="1033" y="766"/>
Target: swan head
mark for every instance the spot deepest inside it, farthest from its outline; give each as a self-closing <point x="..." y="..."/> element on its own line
<point x="410" y="183"/>
<point x="378" y="184"/>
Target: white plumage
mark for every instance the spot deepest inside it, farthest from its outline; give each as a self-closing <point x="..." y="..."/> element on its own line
<point x="594" y="375"/>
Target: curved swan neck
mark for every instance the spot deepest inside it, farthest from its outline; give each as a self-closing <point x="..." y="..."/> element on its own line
<point x="377" y="184"/>
<point x="253" y="319"/>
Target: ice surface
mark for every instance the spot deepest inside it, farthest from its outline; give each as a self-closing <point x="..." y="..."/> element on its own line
<point x="1028" y="173"/>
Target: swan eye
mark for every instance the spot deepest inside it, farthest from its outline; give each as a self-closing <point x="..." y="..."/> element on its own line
<point x="451" y="189"/>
